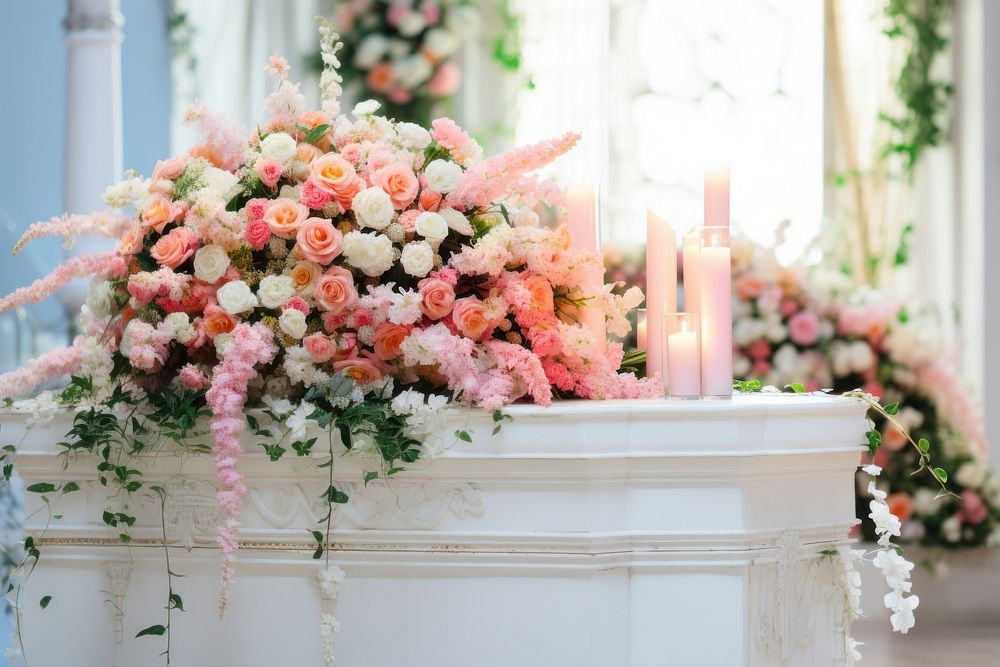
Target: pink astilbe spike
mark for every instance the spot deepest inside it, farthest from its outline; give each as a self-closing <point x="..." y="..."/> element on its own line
<point x="252" y="346"/>
<point x="104" y="264"/>
<point x="38" y="371"/>
<point x="227" y="140"/>
<point x="110" y="224"/>
<point x="494" y="177"/>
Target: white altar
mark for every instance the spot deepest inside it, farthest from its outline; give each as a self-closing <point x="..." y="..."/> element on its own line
<point x="598" y="534"/>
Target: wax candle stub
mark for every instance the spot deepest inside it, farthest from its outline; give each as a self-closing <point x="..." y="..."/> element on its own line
<point x="717" y="197"/>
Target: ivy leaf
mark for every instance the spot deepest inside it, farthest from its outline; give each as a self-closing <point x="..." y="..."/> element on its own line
<point x="70" y="487"/>
<point x="892" y="408"/>
<point x="318" y="536"/>
<point x="941" y="474"/>
<point x="10" y="448"/>
<point x="316" y="133"/>
<point x="154" y="630"/>
<point x="924" y="445"/>
<point x="874" y="440"/>
<point x="796" y="387"/>
<point x="463" y="436"/>
<point x="44" y="602"/>
<point x="369" y="476"/>
<point x="175" y="602"/>
<point x="42" y="487"/>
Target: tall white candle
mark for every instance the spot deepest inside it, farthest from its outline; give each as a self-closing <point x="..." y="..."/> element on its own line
<point x="717" y="197"/>
<point x="581" y="206"/>
<point x="683" y="367"/>
<point x="692" y="272"/>
<point x="716" y="314"/>
<point x="661" y="287"/>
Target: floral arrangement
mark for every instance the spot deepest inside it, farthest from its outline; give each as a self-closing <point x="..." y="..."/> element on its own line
<point x="401" y="53"/>
<point x="795" y="324"/>
<point x="347" y="275"/>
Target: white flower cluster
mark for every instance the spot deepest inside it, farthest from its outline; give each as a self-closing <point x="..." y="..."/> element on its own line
<point x="329" y="579"/>
<point x="848" y="581"/>
<point x="424" y="416"/>
<point x="39" y="410"/>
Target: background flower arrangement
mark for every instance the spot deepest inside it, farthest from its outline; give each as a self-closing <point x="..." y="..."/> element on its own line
<point x="402" y="52"/>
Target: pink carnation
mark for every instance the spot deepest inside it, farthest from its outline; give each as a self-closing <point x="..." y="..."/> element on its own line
<point x="270" y="171"/>
<point x="314" y="196"/>
<point x="192" y="378"/>
<point x="256" y="208"/>
<point x="298" y="303"/>
<point x="258" y="233"/>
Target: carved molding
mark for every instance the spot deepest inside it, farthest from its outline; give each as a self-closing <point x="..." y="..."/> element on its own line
<point x="190" y="513"/>
<point x="119" y="574"/>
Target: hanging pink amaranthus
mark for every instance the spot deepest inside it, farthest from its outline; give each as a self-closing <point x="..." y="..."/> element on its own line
<point x="38" y="371"/>
<point x="105" y="264"/>
<point x="108" y="224"/>
<point x="252" y="346"/>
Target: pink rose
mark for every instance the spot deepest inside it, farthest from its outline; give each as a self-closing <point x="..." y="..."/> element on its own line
<point x="874" y="387"/>
<point x="759" y="350"/>
<point x="192" y="378"/>
<point x="749" y="286"/>
<point x="397" y="12"/>
<point x="169" y="169"/>
<point x="803" y="328"/>
<point x="974" y="511"/>
<point x="335" y="291"/>
<point x="399" y="183"/>
<point x="314" y="196"/>
<point x="399" y="95"/>
<point x="270" y="171"/>
<point x="297" y="303"/>
<point x="445" y="80"/>
<point x="362" y="318"/>
<point x="258" y="233"/>
<point x="431" y="11"/>
<point x="318" y="240"/>
<point x="436" y="297"/>
<point x="320" y="348"/>
<point x="175" y="248"/>
<point x="363" y="370"/>
<point x="347" y="347"/>
<point x="284" y="216"/>
<point x="760" y="368"/>
<point x="408" y="220"/>
<point x="351" y="153"/>
<point x="256" y="208"/>
<point x="789" y="307"/>
<point x="131" y="240"/>
<point x="471" y="318"/>
<point x="430" y="200"/>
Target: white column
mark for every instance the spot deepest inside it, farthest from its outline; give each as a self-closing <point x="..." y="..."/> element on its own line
<point x="93" y="146"/>
<point x="990" y="248"/>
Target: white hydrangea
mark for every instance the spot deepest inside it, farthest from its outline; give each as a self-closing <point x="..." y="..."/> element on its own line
<point x="417" y="258"/>
<point x="971" y="474"/>
<point x="218" y="184"/>
<point x="236" y="297"/>
<point x="126" y="192"/>
<point x="442" y="175"/>
<point x="210" y="263"/>
<point x="275" y="291"/>
<point x="278" y="146"/>
<point x="405" y="308"/>
<point x="412" y="70"/>
<point x="370" y="253"/>
<point x="299" y="366"/>
<point x="293" y="322"/>
<point x="411" y="24"/>
<point x="373" y="208"/>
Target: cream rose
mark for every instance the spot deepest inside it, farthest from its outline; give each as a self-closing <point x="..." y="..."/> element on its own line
<point x="304" y="276"/>
<point x="99" y="298"/>
<point x="293" y="322"/>
<point x="442" y="175"/>
<point x="414" y="135"/>
<point x="278" y="146"/>
<point x="373" y="208"/>
<point x="180" y="323"/>
<point x="210" y="263"/>
<point x="275" y="291"/>
<point x="417" y="258"/>
<point x="236" y="297"/>
<point x="370" y="253"/>
<point x="432" y="226"/>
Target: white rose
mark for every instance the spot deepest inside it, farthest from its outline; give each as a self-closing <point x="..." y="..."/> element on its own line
<point x="417" y="258"/>
<point x="293" y="322"/>
<point x="289" y="192"/>
<point x="274" y="291"/>
<point x="223" y="342"/>
<point x="441" y="43"/>
<point x="457" y="221"/>
<point x="442" y="175"/>
<point x="219" y="184"/>
<point x="431" y="226"/>
<point x="99" y="298"/>
<point x="373" y="208"/>
<point x="180" y="323"/>
<point x="370" y="253"/>
<point x="372" y="49"/>
<point x="411" y="24"/>
<point x="236" y="297"/>
<point x="862" y="357"/>
<point x="278" y="146"/>
<point x="414" y="135"/>
<point x="412" y="71"/>
<point x="365" y="108"/>
<point x="210" y="263"/>
<point x="971" y="475"/>
<point x="524" y="218"/>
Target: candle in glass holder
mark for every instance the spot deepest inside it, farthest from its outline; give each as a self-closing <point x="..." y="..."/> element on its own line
<point x="640" y="329"/>
<point x="716" y="314"/>
<point x="683" y="354"/>
<point x="692" y="272"/>
<point x="717" y="197"/>
<point x="661" y="287"/>
<point x="584" y="232"/>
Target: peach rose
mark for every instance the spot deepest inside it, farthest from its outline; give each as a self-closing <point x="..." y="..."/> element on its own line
<point x="217" y="321"/>
<point x="169" y="169"/>
<point x="320" y="348"/>
<point x="284" y="217"/>
<point x="304" y="276"/>
<point x="131" y="242"/>
<point x="334" y="291"/>
<point x="379" y="77"/>
<point x="360" y="369"/>
<point x="347" y="347"/>
<point x="318" y="241"/>
<point x="430" y="200"/>
<point x="893" y="439"/>
<point x="208" y="152"/>
<point x="388" y="338"/>
<point x="445" y="81"/>
<point x="175" y="248"/>
<point x="436" y="297"/>
<point x="749" y="286"/>
<point x="333" y="173"/>
<point x="470" y="318"/>
<point x="307" y="153"/>
<point x="541" y="293"/>
<point x="158" y="212"/>
<point x="399" y="183"/>
<point x="900" y="504"/>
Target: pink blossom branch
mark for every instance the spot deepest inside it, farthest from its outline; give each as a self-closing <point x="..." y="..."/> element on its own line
<point x="109" y="263"/>
<point x="110" y="224"/>
<point x="38" y="371"/>
<point x="252" y="345"/>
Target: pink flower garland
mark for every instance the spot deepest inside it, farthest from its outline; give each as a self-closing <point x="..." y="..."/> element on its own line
<point x="40" y="370"/>
<point x="109" y="263"/>
<point x="108" y="224"/>
<point x="252" y="345"/>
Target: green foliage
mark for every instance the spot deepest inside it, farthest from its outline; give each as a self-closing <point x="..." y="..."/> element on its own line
<point x="748" y="386"/>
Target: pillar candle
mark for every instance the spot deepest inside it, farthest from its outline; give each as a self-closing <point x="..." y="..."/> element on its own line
<point x="581" y="206"/>
<point x="692" y="272"/>
<point x="717" y="197"/>
<point x="661" y="288"/>
<point x="640" y="329"/>
<point x="683" y="367"/>
<point x="716" y="314"/>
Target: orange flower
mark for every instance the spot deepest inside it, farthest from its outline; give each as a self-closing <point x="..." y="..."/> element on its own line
<point x="541" y="293"/>
<point x="388" y="338"/>
<point x="900" y="504"/>
<point x="380" y="77"/>
<point x="217" y="321"/>
<point x="157" y="212"/>
<point x="360" y="369"/>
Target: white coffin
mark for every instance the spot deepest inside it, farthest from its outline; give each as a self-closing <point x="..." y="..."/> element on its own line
<point x="587" y="534"/>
